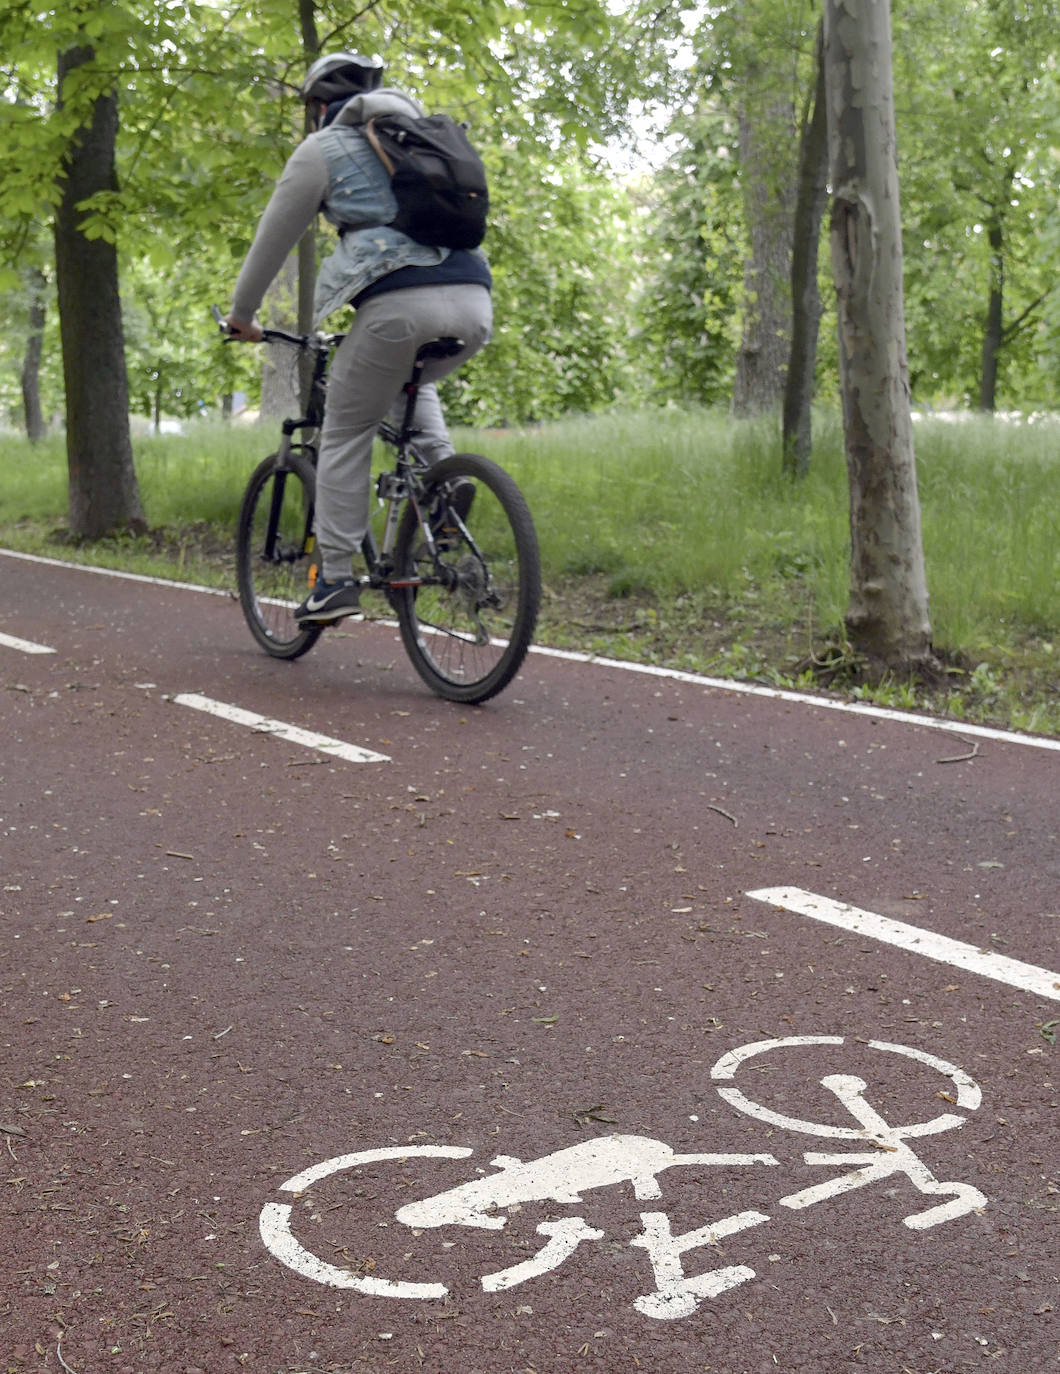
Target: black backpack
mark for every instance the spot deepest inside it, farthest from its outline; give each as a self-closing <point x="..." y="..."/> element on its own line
<point x="437" y="178"/>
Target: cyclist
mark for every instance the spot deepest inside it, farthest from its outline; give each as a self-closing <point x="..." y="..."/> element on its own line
<point x="405" y="293"/>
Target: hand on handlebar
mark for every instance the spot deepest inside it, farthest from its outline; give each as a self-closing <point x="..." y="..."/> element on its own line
<point x="241" y="331"/>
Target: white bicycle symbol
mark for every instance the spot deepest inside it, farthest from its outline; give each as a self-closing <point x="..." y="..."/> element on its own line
<point x="565" y="1175"/>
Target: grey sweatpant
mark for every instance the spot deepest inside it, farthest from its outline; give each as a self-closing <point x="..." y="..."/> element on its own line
<point x="372" y="364"/>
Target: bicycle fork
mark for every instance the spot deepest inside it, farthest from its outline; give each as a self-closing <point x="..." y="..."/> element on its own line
<point x="273" y="552"/>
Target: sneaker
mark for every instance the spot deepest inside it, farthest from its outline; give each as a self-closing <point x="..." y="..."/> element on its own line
<point x="329" y="601"/>
<point x="461" y="495"/>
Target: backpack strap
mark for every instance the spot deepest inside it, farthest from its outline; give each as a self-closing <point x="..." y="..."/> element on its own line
<point x="373" y="139"/>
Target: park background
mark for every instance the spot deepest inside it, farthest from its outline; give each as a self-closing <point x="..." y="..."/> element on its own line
<point x="648" y="163"/>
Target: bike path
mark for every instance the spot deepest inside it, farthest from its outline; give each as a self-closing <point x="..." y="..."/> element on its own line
<point x="240" y="973"/>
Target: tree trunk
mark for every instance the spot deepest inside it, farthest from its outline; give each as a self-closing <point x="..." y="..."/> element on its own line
<point x="31" y="359"/>
<point x="805" y="296"/>
<point x="993" y="333"/>
<point x="766" y="172"/>
<point x="104" y="494"/>
<point x="307" y="250"/>
<point x="887" y="616"/>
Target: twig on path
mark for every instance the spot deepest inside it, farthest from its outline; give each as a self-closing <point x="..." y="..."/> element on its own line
<point x="59" y="1356"/>
<point x="712" y="807"/>
<point x="962" y="758"/>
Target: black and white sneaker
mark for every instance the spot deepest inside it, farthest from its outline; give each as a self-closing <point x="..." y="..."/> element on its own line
<point x="329" y="601"/>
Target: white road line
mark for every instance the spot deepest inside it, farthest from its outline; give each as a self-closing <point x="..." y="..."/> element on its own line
<point x="294" y="734"/>
<point x="850" y="708"/>
<point x="25" y="646"/>
<point x="114" y="572"/>
<point x="1042" y="982"/>
<point x="718" y="684"/>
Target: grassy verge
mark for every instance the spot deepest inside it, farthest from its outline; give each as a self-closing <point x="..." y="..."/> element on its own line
<point x="674" y="538"/>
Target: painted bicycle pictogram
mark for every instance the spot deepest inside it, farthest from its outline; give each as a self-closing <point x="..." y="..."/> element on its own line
<point x="567" y="1176"/>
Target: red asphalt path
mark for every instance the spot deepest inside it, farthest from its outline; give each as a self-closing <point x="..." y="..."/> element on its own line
<point x="228" y="958"/>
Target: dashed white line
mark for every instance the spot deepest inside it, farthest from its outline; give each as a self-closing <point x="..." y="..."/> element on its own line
<point x="25" y="646"/>
<point x="293" y="734"/>
<point x="1042" y="982"/>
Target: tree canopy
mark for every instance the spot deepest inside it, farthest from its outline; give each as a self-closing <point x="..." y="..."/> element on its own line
<point x="610" y="287"/>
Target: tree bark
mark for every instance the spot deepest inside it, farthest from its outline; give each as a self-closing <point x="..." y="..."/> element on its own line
<point x="104" y="493"/>
<point x="307" y="246"/>
<point x="811" y="198"/>
<point x="766" y="132"/>
<point x="887" y="616"/>
<point x="31" y="359"/>
<point x="993" y="332"/>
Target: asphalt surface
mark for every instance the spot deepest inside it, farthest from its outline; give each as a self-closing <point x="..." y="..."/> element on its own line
<point x="469" y="1049"/>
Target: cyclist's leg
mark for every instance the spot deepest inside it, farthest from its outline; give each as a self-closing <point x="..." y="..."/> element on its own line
<point x="432" y="434"/>
<point x="368" y="372"/>
<point x="358" y="398"/>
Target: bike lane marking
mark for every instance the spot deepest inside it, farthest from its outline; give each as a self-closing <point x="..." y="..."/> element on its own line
<point x="890" y="1155"/>
<point x="1041" y="982"/>
<point x="25" y="646"/>
<point x="293" y="734"/>
<point x="566" y="1175"/>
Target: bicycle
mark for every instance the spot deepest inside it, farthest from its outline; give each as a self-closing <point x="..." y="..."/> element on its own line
<point x="457" y="558"/>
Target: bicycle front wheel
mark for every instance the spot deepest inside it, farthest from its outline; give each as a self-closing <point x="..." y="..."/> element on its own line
<point x="467" y="615"/>
<point x="276" y="563"/>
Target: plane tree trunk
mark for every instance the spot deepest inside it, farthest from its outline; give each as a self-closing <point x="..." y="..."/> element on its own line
<point x="887" y="616"/>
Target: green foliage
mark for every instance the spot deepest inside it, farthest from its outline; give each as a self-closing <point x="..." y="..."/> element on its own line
<point x="990" y="494"/>
<point x="606" y="292"/>
<point x="560" y="251"/>
<point x="977" y="95"/>
<point x="692" y="248"/>
<point x="209" y="112"/>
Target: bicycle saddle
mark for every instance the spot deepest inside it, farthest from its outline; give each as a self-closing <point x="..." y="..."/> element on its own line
<point x="440" y="348"/>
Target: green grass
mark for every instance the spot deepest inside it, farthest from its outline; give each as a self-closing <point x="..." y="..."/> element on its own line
<point x="674" y="537"/>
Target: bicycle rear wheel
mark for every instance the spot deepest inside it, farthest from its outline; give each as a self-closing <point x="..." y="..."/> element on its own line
<point x="468" y="622"/>
<point x="276" y="562"/>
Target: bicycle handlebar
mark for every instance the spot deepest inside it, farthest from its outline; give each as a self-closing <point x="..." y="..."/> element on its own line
<point x="303" y="341"/>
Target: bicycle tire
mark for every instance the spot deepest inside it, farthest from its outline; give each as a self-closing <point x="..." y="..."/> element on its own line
<point x="277" y="508"/>
<point x="468" y="626"/>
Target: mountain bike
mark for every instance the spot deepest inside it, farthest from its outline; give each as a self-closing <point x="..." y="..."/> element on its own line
<point x="456" y="559"/>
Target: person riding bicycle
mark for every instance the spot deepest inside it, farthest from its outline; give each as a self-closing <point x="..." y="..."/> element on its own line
<point x="405" y="293"/>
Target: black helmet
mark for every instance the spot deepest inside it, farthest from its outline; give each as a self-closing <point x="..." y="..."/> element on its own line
<point x="341" y="74"/>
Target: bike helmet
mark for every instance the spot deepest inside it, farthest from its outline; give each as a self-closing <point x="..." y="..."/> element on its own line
<point x="341" y="74"/>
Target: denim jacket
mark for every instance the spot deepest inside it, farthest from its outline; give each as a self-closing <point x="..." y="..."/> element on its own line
<point x="360" y="203"/>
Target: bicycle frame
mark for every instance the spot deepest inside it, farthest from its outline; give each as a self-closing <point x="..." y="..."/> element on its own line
<point x="393" y="488"/>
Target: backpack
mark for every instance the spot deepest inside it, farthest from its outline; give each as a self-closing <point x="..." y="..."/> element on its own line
<point x="437" y="178"/>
